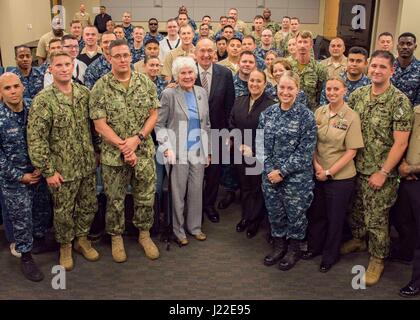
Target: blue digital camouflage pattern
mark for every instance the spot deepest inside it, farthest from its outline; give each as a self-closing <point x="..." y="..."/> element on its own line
<point x="136" y="54"/>
<point x="160" y="85"/>
<point x="96" y="70"/>
<point x="128" y="33"/>
<point x="241" y="87"/>
<point x="148" y="37"/>
<point x="408" y="80"/>
<point x="287" y="144"/>
<point x="351" y="86"/>
<point x="33" y="83"/>
<point x="301" y="97"/>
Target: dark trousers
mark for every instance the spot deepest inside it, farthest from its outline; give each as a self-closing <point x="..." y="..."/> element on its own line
<point x="252" y="198"/>
<point x="411" y="189"/>
<point x="327" y="215"/>
<point x="212" y="178"/>
<point x="402" y="217"/>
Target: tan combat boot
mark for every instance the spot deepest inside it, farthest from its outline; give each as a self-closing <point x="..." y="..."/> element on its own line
<point x="66" y="259"/>
<point x="83" y="246"/>
<point x="374" y="271"/>
<point x="118" y="251"/>
<point x="150" y="249"/>
<point x="353" y="245"/>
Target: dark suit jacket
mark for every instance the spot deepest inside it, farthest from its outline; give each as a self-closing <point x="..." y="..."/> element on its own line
<point x="221" y="97"/>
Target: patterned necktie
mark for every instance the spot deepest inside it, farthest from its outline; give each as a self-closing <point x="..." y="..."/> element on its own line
<point x="204" y="81"/>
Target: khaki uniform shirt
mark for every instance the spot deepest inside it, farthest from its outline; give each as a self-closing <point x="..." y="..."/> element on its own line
<point x="98" y="50"/>
<point x="84" y="18"/>
<point x="335" y="69"/>
<point x="170" y="58"/>
<point x="41" y="50"/>
<point x="125" y="111"/>
<point x="336" y="135"/>
<point x="413" y="153"/>
<point x="139" y="67"/>
<point x="380" y="117"/>
<point x="60" y="133"/>
<point x="230" y="65"/>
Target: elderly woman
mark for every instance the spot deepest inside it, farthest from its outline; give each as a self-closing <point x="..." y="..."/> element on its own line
<point x="245" y="115"/>
<point x="183" y="133"/>
<point x="339" y="137"/>
<point x="285" y="145"/>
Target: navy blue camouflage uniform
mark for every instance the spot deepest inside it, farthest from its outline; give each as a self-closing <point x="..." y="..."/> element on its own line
<point x="241" y="87"/>
<point x="33" y="83"/>
<point x="351" y="86"/>
<point x="272" y="93"/>
<point x="136" y="54"/>
<point x="287" y="143"/>
<point x="408" y="80"/>
<point x="96" y="70"/>
<point x="148" y="37"/>
<point x="27" y="206"/>
<point x="128" y="33"/>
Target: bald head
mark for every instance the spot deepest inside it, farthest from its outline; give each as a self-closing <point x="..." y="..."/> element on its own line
<point x="204" y="53"/>
<point x="337" y="48"/>
<point x="11" y="89"/>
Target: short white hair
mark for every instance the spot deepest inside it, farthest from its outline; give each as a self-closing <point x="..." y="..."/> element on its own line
<point x="183" y="62"/>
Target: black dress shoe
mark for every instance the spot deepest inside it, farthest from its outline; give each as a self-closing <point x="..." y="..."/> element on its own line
<point x="308" y="255"/>
<point x="29" y="268"/>
<point x="252" y="230"/>
<point x="227" y="200"/>
<point x="325" y="267"/>
<point x="212" y="214"/>
<point x="409" y="291"/>
<point x="242" y="225"/>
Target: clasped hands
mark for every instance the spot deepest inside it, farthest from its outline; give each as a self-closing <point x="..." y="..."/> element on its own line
<point x="128" y="149"/>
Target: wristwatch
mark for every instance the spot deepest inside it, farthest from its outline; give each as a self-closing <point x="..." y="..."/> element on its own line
<point x="328" y="174"/>
<point x="141" y="137"/>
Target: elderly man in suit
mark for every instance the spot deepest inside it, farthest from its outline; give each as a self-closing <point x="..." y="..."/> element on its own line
<point x="218" y="83"/>
<point x="183" y="131"/>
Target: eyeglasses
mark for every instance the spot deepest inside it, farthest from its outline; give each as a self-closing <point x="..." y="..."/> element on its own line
<point x="153" y="24"/>
<point x="126" y="56"/>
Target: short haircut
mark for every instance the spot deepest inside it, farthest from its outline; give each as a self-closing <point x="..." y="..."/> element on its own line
<point x="72" y="22"/>
<point x="283" y="61"/>
<point x="153" y="19"/>
<point x="408" y="34"/>
<point x="107" y="32"/>
<point x="68" y="37"/>
<point x="222" y="17"/>
<point x="386" y="34"/>
<point x="21" y="46"/>
<point x="249" y="37"/>
<point x="138" y="27"/>
<point x="220" y="39"/>
<point x="186" y="26"/>
<point x="172" y="20"/>
<point x="183" y="62"/>
<point x="383" y="54"/>
<point x="305" y="35"/>
<point x="230" y="17"/>
<point x="233" y="39"/>
<point x="117" y="43"/>
<point x="59" y="54"/>
<point x="206" y="16"/>
<point x="227" y="27"/>
<point x="295" y="18"/>
<point x="286" y="17"/>
<point x="247" y="52"/>
<point x="258" y="16"/>
<point x="359" y="50"/>
<point x="102" y="7"/>
<point x="151" y="40"/>
<point x="119" y="26"/>
<point x="53" y="40"/>
<point x="272" y="52"/>
<point x="90" y="26"/>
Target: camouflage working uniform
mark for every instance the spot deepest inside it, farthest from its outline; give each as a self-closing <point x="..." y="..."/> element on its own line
<point x="33" y="83"/>
<point x="312" y="79"/>
<point x="136" y="54"/>
<point x="128" y="33"/>
<point x="351" y="86"/>
<point x="287" y="144"/>
<point x="272" y="93"/>
<point x="96" y="70"/>
<point x="389" y="112"/>
<point x="126" y="111"/>
<point x="148" y="37"/>
<point x="273" y="26"/>
<point x="241" y="87"/>
<point x="408" y="80"/>
<point x="60" y="140"/>
<point x="27" y="206"/>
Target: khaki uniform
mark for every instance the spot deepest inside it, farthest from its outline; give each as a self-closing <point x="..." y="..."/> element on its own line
<point x="380" y="117"/>
<point x="84" y="18"/>
<point x="170" y="58"/>
<point x="41" y="50"/>
<point x="230" y="65"/>
<point x="98" y="51"/>
<point x="336" y="135"/>
<point x="60" y="140"/>
<point x="126" y="111"/>
<point x="413" y="153"/>
<point x="139" y="67"/>
<point x="335" y="69"/>
<point x="312" y="79"/>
